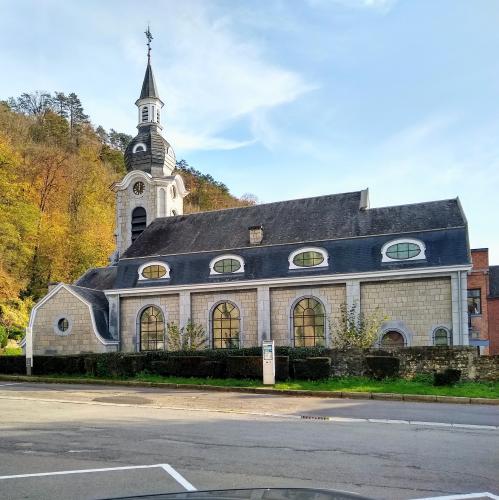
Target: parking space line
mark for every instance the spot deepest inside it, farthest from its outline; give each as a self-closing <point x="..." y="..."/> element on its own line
<point x="465" y="496"/>
<point x="166" y="467"/>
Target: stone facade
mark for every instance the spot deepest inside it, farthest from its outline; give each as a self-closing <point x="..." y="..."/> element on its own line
<point x="246" y="300"/>
<point x="130" y="309"/>
<point x="282" y="301"/>
<point x="415" y="306"/>
<point x="80" y="336"/>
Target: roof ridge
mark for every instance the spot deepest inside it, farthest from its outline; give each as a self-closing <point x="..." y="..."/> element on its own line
<point x="414" y="204"/>
<point x="260" y="205"/>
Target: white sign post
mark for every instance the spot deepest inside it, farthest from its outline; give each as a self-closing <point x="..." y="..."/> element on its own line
<point x="268" y="362"/>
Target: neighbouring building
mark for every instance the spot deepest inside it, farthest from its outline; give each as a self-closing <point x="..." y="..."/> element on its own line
<point x="483" y="302"/>
<point x="276" y="271"/>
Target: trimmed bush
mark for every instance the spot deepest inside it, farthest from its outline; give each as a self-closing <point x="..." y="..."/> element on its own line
<point x="380" y="367"/>
<point x="179" y="366"/>
<point x="211" y="369"/>
<point x="449" y="376"/>
<point x="13" y="365"/>
<point x="244" y="367"/>
<point x="312" y="368"/>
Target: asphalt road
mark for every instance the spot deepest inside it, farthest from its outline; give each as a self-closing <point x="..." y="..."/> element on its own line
<point x="220" y="440"/>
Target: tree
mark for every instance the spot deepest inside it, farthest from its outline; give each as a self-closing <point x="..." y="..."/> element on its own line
<point x="191" y="337"/>
<point x="76" y="115"/>
<point x="60" y="104"/>
<point x="34" y="104"/>
<point x="119" y="140"/>
<point x="354" y="328"/>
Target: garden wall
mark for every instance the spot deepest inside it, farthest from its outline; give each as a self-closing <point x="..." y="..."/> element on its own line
<point x="231" y="363"/>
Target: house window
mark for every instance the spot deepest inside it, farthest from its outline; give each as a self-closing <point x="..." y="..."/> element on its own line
<point x="309" y="323"/>
<point x="474" y="302"/>
<point x="145" y="114"/>
<point x="63" y="324"/>
<point x="308" y="257"/>
<point x="139" y="148"/>
<point x="152" y="329"/>
<point x="406" y="249"/>
<point x="441" y="337"/>
<point x="227" y="264"/>
<point x="392" y="338"/>
<point x="154" y="272"/>
<point x="226" y="325"/>
<point x="139" y="222"/>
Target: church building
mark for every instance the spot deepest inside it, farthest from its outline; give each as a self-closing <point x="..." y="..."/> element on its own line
<point x="278" y="271"/>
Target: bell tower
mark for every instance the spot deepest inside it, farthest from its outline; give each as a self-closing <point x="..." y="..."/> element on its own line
<point x="149" y="190"/>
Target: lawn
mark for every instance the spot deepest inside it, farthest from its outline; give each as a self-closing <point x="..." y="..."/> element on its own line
<point x="421" y="385"/>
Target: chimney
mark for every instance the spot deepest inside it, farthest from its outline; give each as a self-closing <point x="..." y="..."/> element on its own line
<point x="364" y="199"/>
<point x="255" y="234"/>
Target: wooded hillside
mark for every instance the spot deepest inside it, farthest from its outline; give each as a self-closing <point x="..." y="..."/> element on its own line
<point x="56" y="205"/>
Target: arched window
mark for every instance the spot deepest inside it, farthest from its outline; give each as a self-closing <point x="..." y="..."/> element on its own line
<point x="226" y="325"/>
<point x="152" y="329"/>
<point x="392" y="338"/>
<point x="441" y="337"/>
<point x="145" y="114"/>
<point x="309" y="323"/>
<point x="139" y="222"/>
<point x="139" y="148"/>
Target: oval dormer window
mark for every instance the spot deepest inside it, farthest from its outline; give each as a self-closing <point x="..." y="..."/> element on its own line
<point x="139" y="147"/>
<point x="227" y="264"/>
<point x="406" y="249"/>
<point x="308" y="257"/>
<point x="154" y="271"/>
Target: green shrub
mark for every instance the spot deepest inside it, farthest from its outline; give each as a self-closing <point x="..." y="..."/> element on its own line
<point x="312" y="368"/>
<point x="181" y="366"/>
<point x="4" y="337"/>
<point x="380" y="367"/>
<point x="449" y="376"/>
<point x="13" y="365"/>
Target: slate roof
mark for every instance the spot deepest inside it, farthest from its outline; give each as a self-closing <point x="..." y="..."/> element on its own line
<point x="149" y="85"/>
<point x="98" y="278"/>
<point x="156" y="145"/>
<point x="100" y="307"/>
<point x="322" y="218"/>
<point x="494" y="281"/>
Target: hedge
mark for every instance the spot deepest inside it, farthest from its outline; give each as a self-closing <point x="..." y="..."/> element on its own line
<point x="312" y="368"/>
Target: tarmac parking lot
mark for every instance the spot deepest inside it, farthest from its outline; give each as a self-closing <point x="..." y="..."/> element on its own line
<point x="81" y="442"/>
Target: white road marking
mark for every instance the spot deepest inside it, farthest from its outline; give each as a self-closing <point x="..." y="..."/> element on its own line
<point x="178" y="477"/>
<point x="166" y="467"/>
<point x="11" y="383"/>
<point x="485" y="494"/>
<point x="265" y="414"/>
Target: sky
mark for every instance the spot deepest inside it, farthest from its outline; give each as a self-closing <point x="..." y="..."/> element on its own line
<point x="288" y="98"/>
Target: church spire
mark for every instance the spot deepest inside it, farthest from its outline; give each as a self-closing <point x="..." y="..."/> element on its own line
<point x="149" y="85"/>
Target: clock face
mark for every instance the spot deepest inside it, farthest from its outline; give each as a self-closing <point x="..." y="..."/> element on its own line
<point x="138" y="188"/>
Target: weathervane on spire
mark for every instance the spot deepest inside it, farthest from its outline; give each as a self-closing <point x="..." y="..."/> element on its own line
<point x="149" y="38"/>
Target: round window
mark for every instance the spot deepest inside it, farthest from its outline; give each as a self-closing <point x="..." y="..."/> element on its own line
<point x="402" y="251"/>
<point x="227" y="266"/>
<point x="154" y="271"/>
<point x="63" y="325"/>
<point x="308" y="259"/>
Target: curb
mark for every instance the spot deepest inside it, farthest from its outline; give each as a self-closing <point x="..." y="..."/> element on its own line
<point x="383" y="396"/>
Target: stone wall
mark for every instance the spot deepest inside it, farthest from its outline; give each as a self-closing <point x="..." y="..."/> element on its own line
<point x="283" y="299"/>
<point x="130" y="307"/>
<point x="202" y="304"/>
<point x="418" y="306"/>
<point x="419" y="360"/>
<point x="81" y="337"/>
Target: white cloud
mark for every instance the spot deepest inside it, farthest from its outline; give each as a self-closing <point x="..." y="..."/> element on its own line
<point x="383" y="6"/>
<point x="210" y="78"/>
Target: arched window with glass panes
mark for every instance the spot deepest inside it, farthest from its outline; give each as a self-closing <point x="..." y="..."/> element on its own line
<point x="152" y="329"/>
<point x="225" y="326"/>
<point x="309" y="323"/>
<point x="441" y="337"/>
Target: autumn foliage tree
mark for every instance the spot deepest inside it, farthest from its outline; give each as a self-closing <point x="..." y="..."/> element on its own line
<point x="56" y="205"/>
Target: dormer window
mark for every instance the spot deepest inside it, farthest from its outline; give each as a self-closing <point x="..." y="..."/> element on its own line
<point x="139" y="147"/>
<point x="308" y="257"/>
<point x="145" y="114"/>
<point x="154" y="271"/>
<point x="227" y="264"/>
<point x="402" y="250"/>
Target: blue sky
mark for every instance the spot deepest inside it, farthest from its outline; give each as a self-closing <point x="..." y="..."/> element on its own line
<point x="289" y="98"/>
